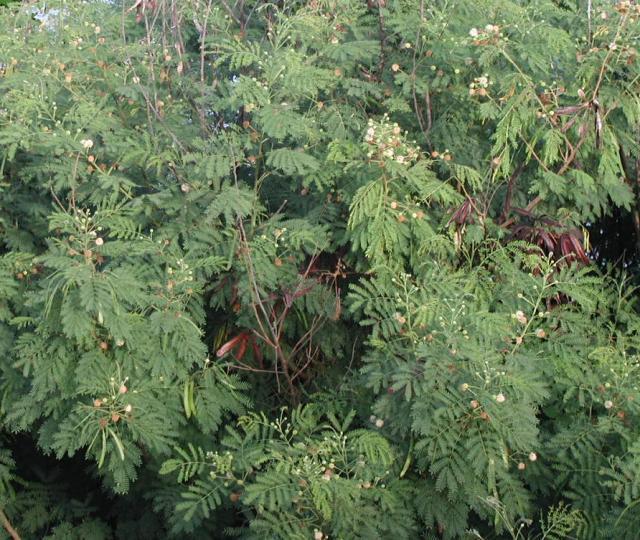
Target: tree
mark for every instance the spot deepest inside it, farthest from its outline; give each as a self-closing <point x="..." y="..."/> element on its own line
<point x="317" y="269"/>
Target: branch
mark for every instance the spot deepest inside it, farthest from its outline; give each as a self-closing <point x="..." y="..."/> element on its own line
<point x="427" y="98"/>
<point x="231" y="13"/>
<point x="203" y="38"/>
<point x="565" y="167"/>
<point x="383" y="38"/>
<point x="8" y="527"/>
<point x="607" y="57"/>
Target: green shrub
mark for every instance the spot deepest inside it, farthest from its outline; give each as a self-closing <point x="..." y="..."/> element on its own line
<point x="317" y="269"/>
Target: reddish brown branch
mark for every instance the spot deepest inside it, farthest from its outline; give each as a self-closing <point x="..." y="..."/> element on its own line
<point x="8" y="527"/>
<point x="509" y="195"/>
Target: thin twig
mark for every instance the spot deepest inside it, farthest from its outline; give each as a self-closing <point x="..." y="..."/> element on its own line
<point x="607" y="57"/>
<point x="231" y="13"/>
<point x="425" y="129"/>
<point x="589" y="30"/>
<point x="203" y="37"/>
<point x="383" y="39"/>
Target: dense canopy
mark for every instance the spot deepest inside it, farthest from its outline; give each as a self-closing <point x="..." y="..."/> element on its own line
<point x="318" y="269"/>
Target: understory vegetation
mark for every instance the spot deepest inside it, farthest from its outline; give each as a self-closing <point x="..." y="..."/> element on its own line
<point x="318" y="269"/>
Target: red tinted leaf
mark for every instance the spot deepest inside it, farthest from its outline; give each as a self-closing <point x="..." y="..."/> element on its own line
<point x="242" y="348"/>
<point x="229" y="345"/>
